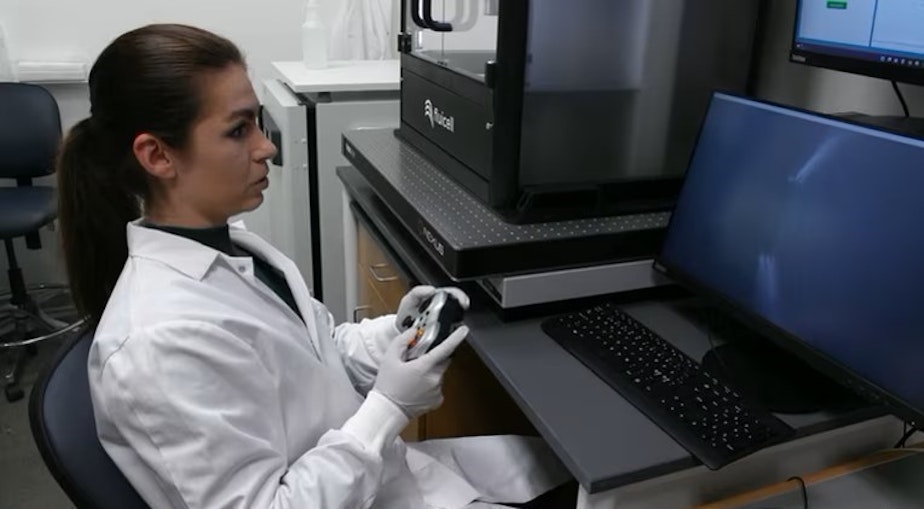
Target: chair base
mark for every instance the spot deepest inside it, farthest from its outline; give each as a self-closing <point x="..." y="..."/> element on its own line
<point x="46" y="313"/>
<point x="11" y="365"/>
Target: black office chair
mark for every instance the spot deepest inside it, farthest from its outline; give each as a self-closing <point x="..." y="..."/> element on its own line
<point x="30" y="131"/>
<point x="61" y="415"/>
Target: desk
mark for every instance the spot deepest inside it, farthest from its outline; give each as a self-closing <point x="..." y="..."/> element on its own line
<point x="619" y="457"/>
<point x="889" y="478"/>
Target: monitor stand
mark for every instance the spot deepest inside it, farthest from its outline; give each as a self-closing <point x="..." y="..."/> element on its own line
<point x="911" y="126"/>
<point x="773" y="378"/>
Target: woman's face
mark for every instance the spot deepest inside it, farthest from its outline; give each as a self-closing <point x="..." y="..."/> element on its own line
<point x="223" y="170"/>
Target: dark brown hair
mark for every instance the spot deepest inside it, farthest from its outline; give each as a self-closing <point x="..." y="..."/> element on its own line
<point x="146" y="81"/>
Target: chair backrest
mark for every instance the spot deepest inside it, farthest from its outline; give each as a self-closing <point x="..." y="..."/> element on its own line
<point x="61" y="415"/>
<point x="30" y="131"/>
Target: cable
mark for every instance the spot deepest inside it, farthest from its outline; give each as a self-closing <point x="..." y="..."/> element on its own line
<point x="710" y="326"/>
<point x="804" y="491"/>
<point x="904" y="439"/>
<point x="901" y="98"/>
<point x="712" y="318"/>
<point x="908" y="431"/>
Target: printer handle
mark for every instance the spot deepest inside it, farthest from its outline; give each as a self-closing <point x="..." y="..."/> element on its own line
<point x="415" y="14"/>
<point x="432" y="24"/>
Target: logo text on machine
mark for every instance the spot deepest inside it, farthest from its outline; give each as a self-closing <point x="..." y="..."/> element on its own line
<point x="439" y="118"/>
<point x="437" y="245"/>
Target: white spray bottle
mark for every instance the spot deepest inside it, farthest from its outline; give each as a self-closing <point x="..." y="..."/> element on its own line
<point x="314" y="37"/>
<point x="6" y="67"/>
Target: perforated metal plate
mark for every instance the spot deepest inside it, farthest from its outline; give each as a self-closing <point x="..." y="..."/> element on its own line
<point x="462" y="220"/>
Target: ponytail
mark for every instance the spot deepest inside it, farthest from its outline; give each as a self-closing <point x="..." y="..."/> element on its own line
<point x="95" y="201"/>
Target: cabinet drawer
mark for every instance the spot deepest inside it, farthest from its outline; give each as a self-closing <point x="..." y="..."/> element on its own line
<point x="370" y="301"/>
<point x="370" y="253"/>
<point x="474" y="403"/>
<point x="390" y="292"/>
<point x="377" y="270"/>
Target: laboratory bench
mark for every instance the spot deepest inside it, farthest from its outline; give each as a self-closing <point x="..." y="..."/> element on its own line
<point x="511" y="377"/>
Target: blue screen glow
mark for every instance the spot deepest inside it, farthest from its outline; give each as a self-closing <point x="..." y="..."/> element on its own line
<point x="816" y="226"/>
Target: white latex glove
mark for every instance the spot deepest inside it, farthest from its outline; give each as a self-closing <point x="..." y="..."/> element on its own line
<point x="416" y="386"/>
<point x="407" y="308"/>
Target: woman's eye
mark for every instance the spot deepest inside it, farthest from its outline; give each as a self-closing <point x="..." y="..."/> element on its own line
<point x="239" y="131"/>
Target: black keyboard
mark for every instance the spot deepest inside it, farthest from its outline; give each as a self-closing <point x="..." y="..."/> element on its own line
<point x="702" y="414"/>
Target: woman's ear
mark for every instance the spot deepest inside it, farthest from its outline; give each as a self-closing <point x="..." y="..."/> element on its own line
<point x="154" y="156"/>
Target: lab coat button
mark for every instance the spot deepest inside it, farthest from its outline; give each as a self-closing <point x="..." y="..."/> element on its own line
<point x="242" y="269"/>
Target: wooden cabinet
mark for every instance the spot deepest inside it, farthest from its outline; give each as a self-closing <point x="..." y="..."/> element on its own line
<point x="381" y="286"/>
<point x="381" y="282"/>
<point x="474" y="401"/>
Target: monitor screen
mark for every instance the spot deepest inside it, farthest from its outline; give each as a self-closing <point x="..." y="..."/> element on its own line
<point x="810" y="229"/>
<point x="873" y="37"/>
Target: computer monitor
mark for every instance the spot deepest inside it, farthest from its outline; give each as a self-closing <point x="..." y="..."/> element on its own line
<point x="809" y="229"/>
<point x="879" y="38"/>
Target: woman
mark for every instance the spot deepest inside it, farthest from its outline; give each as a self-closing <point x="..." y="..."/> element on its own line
<point x="217" y="381"/>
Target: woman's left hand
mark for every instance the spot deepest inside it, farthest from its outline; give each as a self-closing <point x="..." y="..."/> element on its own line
<point x="408" y="308"/>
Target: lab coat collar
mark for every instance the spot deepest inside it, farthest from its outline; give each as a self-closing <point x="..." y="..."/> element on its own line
<point x="274" y="257"/>
<point x="195" y="259"/>
<point x="185" y="255"/>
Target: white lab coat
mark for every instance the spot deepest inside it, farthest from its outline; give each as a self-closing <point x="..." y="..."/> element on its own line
<point x="210" y="392"/>
<point x="364" y="30"/>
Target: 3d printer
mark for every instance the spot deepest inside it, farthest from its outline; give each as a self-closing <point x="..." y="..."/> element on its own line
<point x="555" y="109"/>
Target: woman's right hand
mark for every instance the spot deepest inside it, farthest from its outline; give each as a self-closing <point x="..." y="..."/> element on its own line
<point x="416" y="386"/>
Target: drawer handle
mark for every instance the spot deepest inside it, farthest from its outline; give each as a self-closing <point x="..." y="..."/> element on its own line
<point x="377" y="277"/>
<point x="359" y="309"/>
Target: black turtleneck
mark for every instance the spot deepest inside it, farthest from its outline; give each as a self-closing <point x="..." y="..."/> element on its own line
<point x="219" y="238"/>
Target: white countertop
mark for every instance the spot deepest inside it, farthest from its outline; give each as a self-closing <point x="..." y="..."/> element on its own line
<point x="341" y="76"/>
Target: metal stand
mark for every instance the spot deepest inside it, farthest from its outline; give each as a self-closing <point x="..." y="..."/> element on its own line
<point x="29" y="316"/>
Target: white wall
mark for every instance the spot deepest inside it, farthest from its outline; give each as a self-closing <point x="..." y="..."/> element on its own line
<point x="56" y="30"/>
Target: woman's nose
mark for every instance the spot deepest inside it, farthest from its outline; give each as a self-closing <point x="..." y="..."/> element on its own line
<point x="266" y="149"/>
